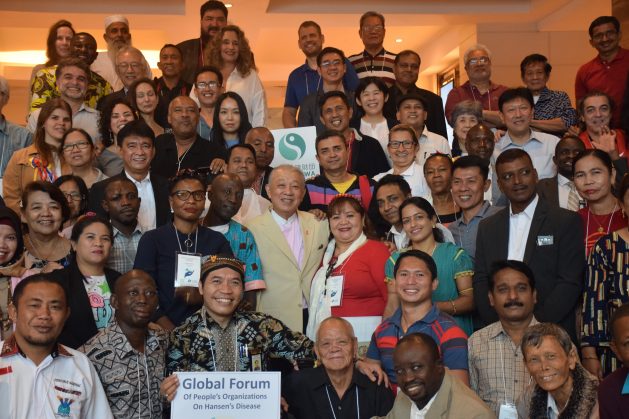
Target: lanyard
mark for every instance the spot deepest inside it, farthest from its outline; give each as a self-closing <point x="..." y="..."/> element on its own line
<point x="332" y="407"/>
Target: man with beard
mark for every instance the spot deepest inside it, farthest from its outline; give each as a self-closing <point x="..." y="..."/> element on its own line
<point x="122" y="204"/>
<point x="429" y="391"/>
<point x="72" y="75"/>
<point x="184" y="148"/>
<point x="213" y="18"/>
<point x="225" y="195"/>
<point x="116" y="35"/>
<point x="128" y="356"/>
<point x="83" y="47"/>
<point x="262" y="141"/>
<point x="497" y="373"/>
<point x="39" y="377"/>
<point x="559" y="190"/>
<point x="305" y="79"/>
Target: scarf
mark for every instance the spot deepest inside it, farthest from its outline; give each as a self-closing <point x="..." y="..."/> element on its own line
<point x="582" y="399"/>
<point x="319" y="307"/>
<point x="43" y="171"/>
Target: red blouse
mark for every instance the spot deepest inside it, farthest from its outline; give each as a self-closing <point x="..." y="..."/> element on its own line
<point x="364" y="289"/>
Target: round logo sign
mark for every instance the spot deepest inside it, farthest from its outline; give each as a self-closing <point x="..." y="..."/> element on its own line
<point x="292" y="146"/>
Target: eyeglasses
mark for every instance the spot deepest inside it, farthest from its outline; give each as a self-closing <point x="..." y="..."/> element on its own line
<point x="405" y="144"/>
<point x="479" y="60"/>
<point x="207" y="85"/>
<point x="376" y="28"/>
<point x="334" y="63"/>
<point x="185" y="195"/>
<point x="73" y="196"/>
<point x="79" y="146"/>
<point x="609" y="35"/>
<point x="125" y="66"/>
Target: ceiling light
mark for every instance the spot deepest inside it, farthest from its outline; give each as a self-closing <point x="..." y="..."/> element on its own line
<point x="228" y="5"/>
<point x="398" y="40"/>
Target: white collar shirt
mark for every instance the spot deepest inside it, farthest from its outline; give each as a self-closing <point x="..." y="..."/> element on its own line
<point x="519" y="227"/>
<point x="563" y="190"/>
<point x="64" y="384"/>
<point x="431" y="143"/>
<point x="147" y="218"/>
<point x="417" y="413"/>
<point x="414" y="176"/>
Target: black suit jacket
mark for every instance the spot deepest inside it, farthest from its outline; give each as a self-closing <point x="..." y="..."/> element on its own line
<point x="80" y="326"/>
<point x="435" y="120"/>
<point x="548" y="189"/>
<point x="554" y="252"/>
<point x="160" y="191"/>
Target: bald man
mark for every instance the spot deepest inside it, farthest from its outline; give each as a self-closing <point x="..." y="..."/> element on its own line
<point x="184" y="148"/>
<point x="135" y="300"/>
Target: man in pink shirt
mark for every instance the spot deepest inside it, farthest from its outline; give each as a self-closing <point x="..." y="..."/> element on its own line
<point x="607" y="71"/>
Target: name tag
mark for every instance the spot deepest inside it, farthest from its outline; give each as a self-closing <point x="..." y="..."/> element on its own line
<point x="334" y="288"/>
<point x="187" y="270"/>
<point x="545" y="240"/>
<point x="507" y="411"/>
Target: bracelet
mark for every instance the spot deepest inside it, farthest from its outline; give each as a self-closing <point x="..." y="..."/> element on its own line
<point x="453" y="307"/>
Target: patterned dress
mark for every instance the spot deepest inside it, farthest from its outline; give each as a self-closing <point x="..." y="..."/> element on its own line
<point x="607" y="288"/>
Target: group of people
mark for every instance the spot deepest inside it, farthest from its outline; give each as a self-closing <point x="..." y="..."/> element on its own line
<point x="144" y="232"/>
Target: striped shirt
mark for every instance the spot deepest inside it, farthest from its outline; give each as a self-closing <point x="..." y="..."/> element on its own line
<point x="380" y="65"/>
<point x="452" y="341"/>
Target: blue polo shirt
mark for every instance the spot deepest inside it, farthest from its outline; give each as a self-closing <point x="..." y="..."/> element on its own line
<point x="450" y="338"/>
<point x="303" y="81"/>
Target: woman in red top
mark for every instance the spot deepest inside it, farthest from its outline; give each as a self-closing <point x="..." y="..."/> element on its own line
<point x="350" y="282"/>
<point x="595" y="111"/>
<point x="593" y="178"/>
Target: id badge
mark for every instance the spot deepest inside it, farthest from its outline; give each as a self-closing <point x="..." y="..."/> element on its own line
<point x="508" y="411"/>
<point x="334" y="289"/>
<point x="256" y="362"/>
<point x="187" y="269"/>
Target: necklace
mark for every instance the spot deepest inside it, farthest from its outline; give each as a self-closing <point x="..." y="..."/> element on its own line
<point x="40" y="254"/>
<point x="600" y="228"/>
<point x="183" y="156"/>
<point x="187" y="242"/>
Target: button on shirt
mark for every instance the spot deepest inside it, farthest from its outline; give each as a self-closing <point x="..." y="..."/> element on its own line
<point x="431" y="143"/>
<point x="122" y="253"/>
<point x="417" y="413"/>
<point x="540" y="146"/>
<point x="497" y="371"/>
<point x="64" y="384"/>
<point x="465" y="234"/>
<point x="519" y="226"/>
<point x="147" y="217"/>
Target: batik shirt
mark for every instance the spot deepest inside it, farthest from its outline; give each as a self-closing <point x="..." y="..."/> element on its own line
<point x="200" y="344"/>
<point x="131" y="379"/>
<point x="44" y="87"/>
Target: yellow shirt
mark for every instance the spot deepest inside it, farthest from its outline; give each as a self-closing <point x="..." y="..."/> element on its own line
<point x="344" y="186"/>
